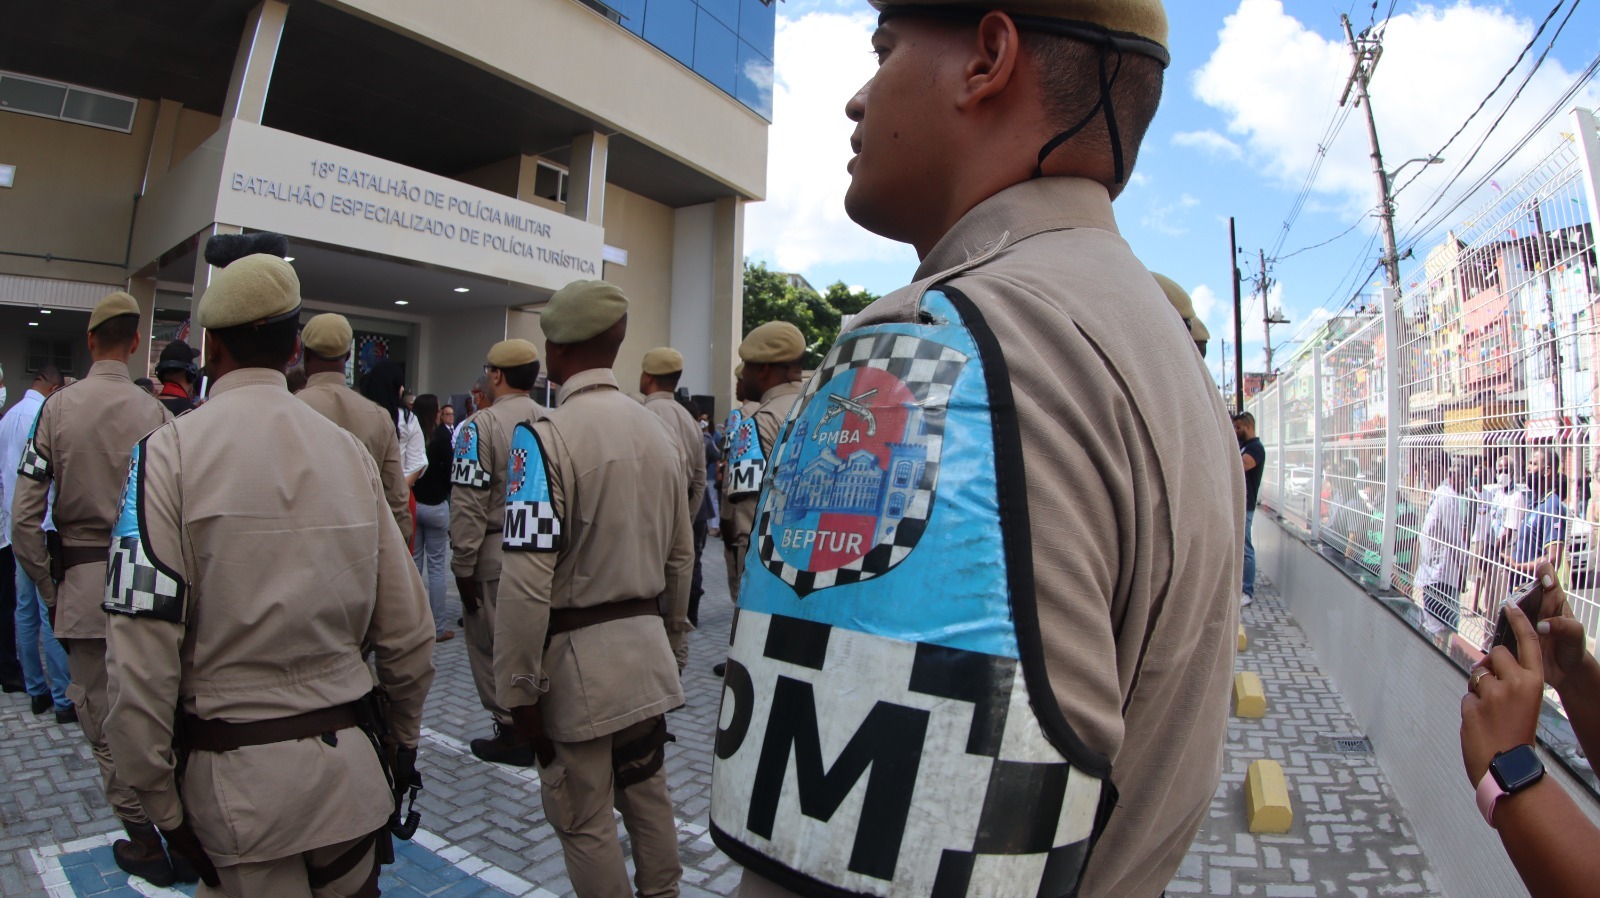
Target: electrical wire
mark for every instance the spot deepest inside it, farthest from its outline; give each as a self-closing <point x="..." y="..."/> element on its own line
<point x="1313" y="246"/>
<point x="1490" y="95"/>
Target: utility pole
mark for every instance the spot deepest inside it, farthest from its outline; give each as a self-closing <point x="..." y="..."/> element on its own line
<point x="1238" y="322"/>
<point x="1366" y="53"/>
<point x="1269" y="317"/>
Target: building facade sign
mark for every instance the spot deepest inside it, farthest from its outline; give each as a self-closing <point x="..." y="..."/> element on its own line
<point x="276" y="181"/>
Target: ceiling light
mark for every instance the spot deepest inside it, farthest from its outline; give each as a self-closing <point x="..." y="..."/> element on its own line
<point x="44" y="311"/>
<point x="33" y="324"/>
<point x="401" y="302"/>
<point x="463" y="289"/>
<point x="288" y="258"/>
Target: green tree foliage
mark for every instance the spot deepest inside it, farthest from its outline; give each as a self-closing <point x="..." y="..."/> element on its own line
<point x="770" y="296"/>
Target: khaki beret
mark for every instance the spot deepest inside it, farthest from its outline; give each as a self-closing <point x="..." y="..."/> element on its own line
<point x="254" y="288"/>
<point x="775" y="341"/>
<point x="663" y="360"/>
<point x="512" y="354"/>
<point x="1139" y="26"/>
<point x="1180" y="300"/>
<point x="115" y="305"/>
<point x="327" y="336"/>
<point x="581" y="311"/>
<point x="738" y="371"/>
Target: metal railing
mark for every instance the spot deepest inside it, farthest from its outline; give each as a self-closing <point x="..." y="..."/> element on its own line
<point x="1391" y="433"/>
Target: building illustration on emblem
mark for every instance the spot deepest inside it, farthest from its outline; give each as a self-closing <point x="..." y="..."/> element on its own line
<point x="840" y="481"/>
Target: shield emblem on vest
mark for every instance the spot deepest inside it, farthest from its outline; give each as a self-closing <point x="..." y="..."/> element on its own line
<point x="855" y="474"/>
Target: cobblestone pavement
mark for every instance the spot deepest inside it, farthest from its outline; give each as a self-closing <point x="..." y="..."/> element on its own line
<point x="483" y="831"/>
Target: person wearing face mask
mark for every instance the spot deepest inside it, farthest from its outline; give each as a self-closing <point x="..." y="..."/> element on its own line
<point x="1499" y="515"/>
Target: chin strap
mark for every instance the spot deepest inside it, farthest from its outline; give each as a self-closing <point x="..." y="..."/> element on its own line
<point x="1102" y="104"/>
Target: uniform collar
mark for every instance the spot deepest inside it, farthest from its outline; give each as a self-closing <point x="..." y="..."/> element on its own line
<point x="500" y="399"/>
<point x="594" y="377"/>
<point x="249" y="377"/>
<point x="110" y="368"/>
<point x="1019" y="211"/>
<point x="782" y="389"/>
<point x="326" y="377"/>
<point x="659" y="395"/>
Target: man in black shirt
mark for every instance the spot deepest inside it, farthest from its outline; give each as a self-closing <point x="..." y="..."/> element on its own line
<point x="1254" y="457"/>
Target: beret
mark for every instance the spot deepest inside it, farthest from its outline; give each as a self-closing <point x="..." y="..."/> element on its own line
<point x="254" y="288"/>
<point x="775" y="341"/>
<point x="738" y="371"/>
<point x="327" y="336"/>
<point x="663" y="360"/>
<point x="512" y="354"/>
<point x="1138" y="26"/>
<point x="1179" y="298"/>
<point x="115" y="305"/>
<point x="581" y="311"/>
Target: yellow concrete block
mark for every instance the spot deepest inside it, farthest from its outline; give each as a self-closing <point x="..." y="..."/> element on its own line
<point x="1249" y="698"/>
<point x="1244" y="640"/>
<point x="1266" y="798"/>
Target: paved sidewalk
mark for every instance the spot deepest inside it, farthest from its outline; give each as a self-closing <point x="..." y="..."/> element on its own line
<point x="484" y="833"/>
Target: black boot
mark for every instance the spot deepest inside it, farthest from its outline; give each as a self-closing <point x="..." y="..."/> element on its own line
<point x="42" y="703"/>
<point x="505" y="748"/>
<point x="182" y="870"/>
<point x="141" y="854"/>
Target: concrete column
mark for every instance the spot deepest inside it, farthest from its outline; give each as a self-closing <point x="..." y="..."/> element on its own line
<point x="144" y="290"/>
<point x="162" y="137"/>
<point x="1317" y="471"/>
<point x="252" y="66"/>
<point x="204" y="274"/>
<point x="727" y="296"/>
<point x="586" y="177"/>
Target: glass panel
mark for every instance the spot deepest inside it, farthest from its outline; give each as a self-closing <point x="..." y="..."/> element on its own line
<point x="757" y="25"/>
<point x="98" y="109"/>
<point x="22" y="95"/>
<point x="753" y="87"/>
<point x="715" y="51"/>
<point x="669" y="24"/>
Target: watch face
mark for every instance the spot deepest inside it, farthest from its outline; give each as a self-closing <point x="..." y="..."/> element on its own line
<point x="1517" y="769"/>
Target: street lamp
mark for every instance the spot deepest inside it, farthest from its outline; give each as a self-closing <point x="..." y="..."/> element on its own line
<point x="1390" y="176"/>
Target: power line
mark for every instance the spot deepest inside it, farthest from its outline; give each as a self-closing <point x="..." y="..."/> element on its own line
<point x="1490" y="95"/>
<point x="1342" y="234"/>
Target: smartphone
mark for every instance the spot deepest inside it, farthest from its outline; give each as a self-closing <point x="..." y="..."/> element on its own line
<point x="1530" y="603"/>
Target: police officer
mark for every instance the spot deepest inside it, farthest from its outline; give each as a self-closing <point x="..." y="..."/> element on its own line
<point x="80" y="445"/>
<point x="179" y="375"/>
<point x="771" y="356"/>
<point x="327" y="342"/>
<point x="744" y="407"/>
<point x="477" y="513"/>
<point x="1184" y="306"/>
<point x="594" y="601"/>
<point x="248" y="576"/>
<point x="1010" y="478"/>
<point x="658" y="382"/>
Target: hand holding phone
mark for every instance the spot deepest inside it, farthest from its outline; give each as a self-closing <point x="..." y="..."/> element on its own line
<point x="1532" y="604"/>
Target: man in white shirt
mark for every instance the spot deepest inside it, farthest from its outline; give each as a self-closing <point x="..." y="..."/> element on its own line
<point x="1499" y="515"/>
<point x="46" y="682"/>
<point x="1442" y="553"/>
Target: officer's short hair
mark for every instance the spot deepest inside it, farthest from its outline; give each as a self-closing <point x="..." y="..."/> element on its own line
<point x="521" y="377"/>
<point x="118" y="331"/>
<point x="1246" y="417"/>
<point x="1069" y="79"/>
<point x="260" y="346"/>
<point x="668" y="382"/>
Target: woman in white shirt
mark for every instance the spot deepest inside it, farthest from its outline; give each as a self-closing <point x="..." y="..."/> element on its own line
<point x="385" y="384"/>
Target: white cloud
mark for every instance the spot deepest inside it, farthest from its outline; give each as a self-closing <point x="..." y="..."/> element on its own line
<point x="823" y="58"/>
<point x="1277" y="83"/>
<point x="1164" y="218"/>
<point x="1209" y="142"/>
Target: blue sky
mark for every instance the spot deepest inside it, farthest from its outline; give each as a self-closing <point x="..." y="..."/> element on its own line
<point x="1251" y="93"/>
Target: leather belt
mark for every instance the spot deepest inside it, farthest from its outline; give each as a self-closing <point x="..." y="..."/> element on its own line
<point x="72" y="556"/>
<point x="565" y="620"/>
<point x="219" y="735"/>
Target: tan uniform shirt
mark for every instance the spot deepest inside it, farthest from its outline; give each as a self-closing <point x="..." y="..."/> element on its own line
<point x="617" y="486"/>
<point x="686" y="434"/>
<point x="328" y="394"/>
<point x="81" y="443"/>
<point x="477" y="513"/>
<point x="769" y="413"/>
<point x="278" y="567"/>
<point x="1135" y="497"/>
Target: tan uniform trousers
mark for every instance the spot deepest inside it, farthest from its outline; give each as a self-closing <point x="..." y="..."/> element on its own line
<point x="733" y="552"/>
<point x="86" y="658"/>
<point x="480" y="649"/>
<point x="288" y="877"/>
<point x="578" y="794"/>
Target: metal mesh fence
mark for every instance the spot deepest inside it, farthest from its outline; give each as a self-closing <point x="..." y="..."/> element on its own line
<point x="1494" y="454"/>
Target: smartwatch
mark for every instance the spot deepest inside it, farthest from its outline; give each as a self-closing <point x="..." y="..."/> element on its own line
<point x="1510" y="772"/>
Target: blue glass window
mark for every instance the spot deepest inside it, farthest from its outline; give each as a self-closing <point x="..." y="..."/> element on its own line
<point x="757" y="24"/>
<point x="754" y="82"/>
<point x="670" y="25"/>
<point x="715" y="51"/>
<point x="727" y="42"/>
